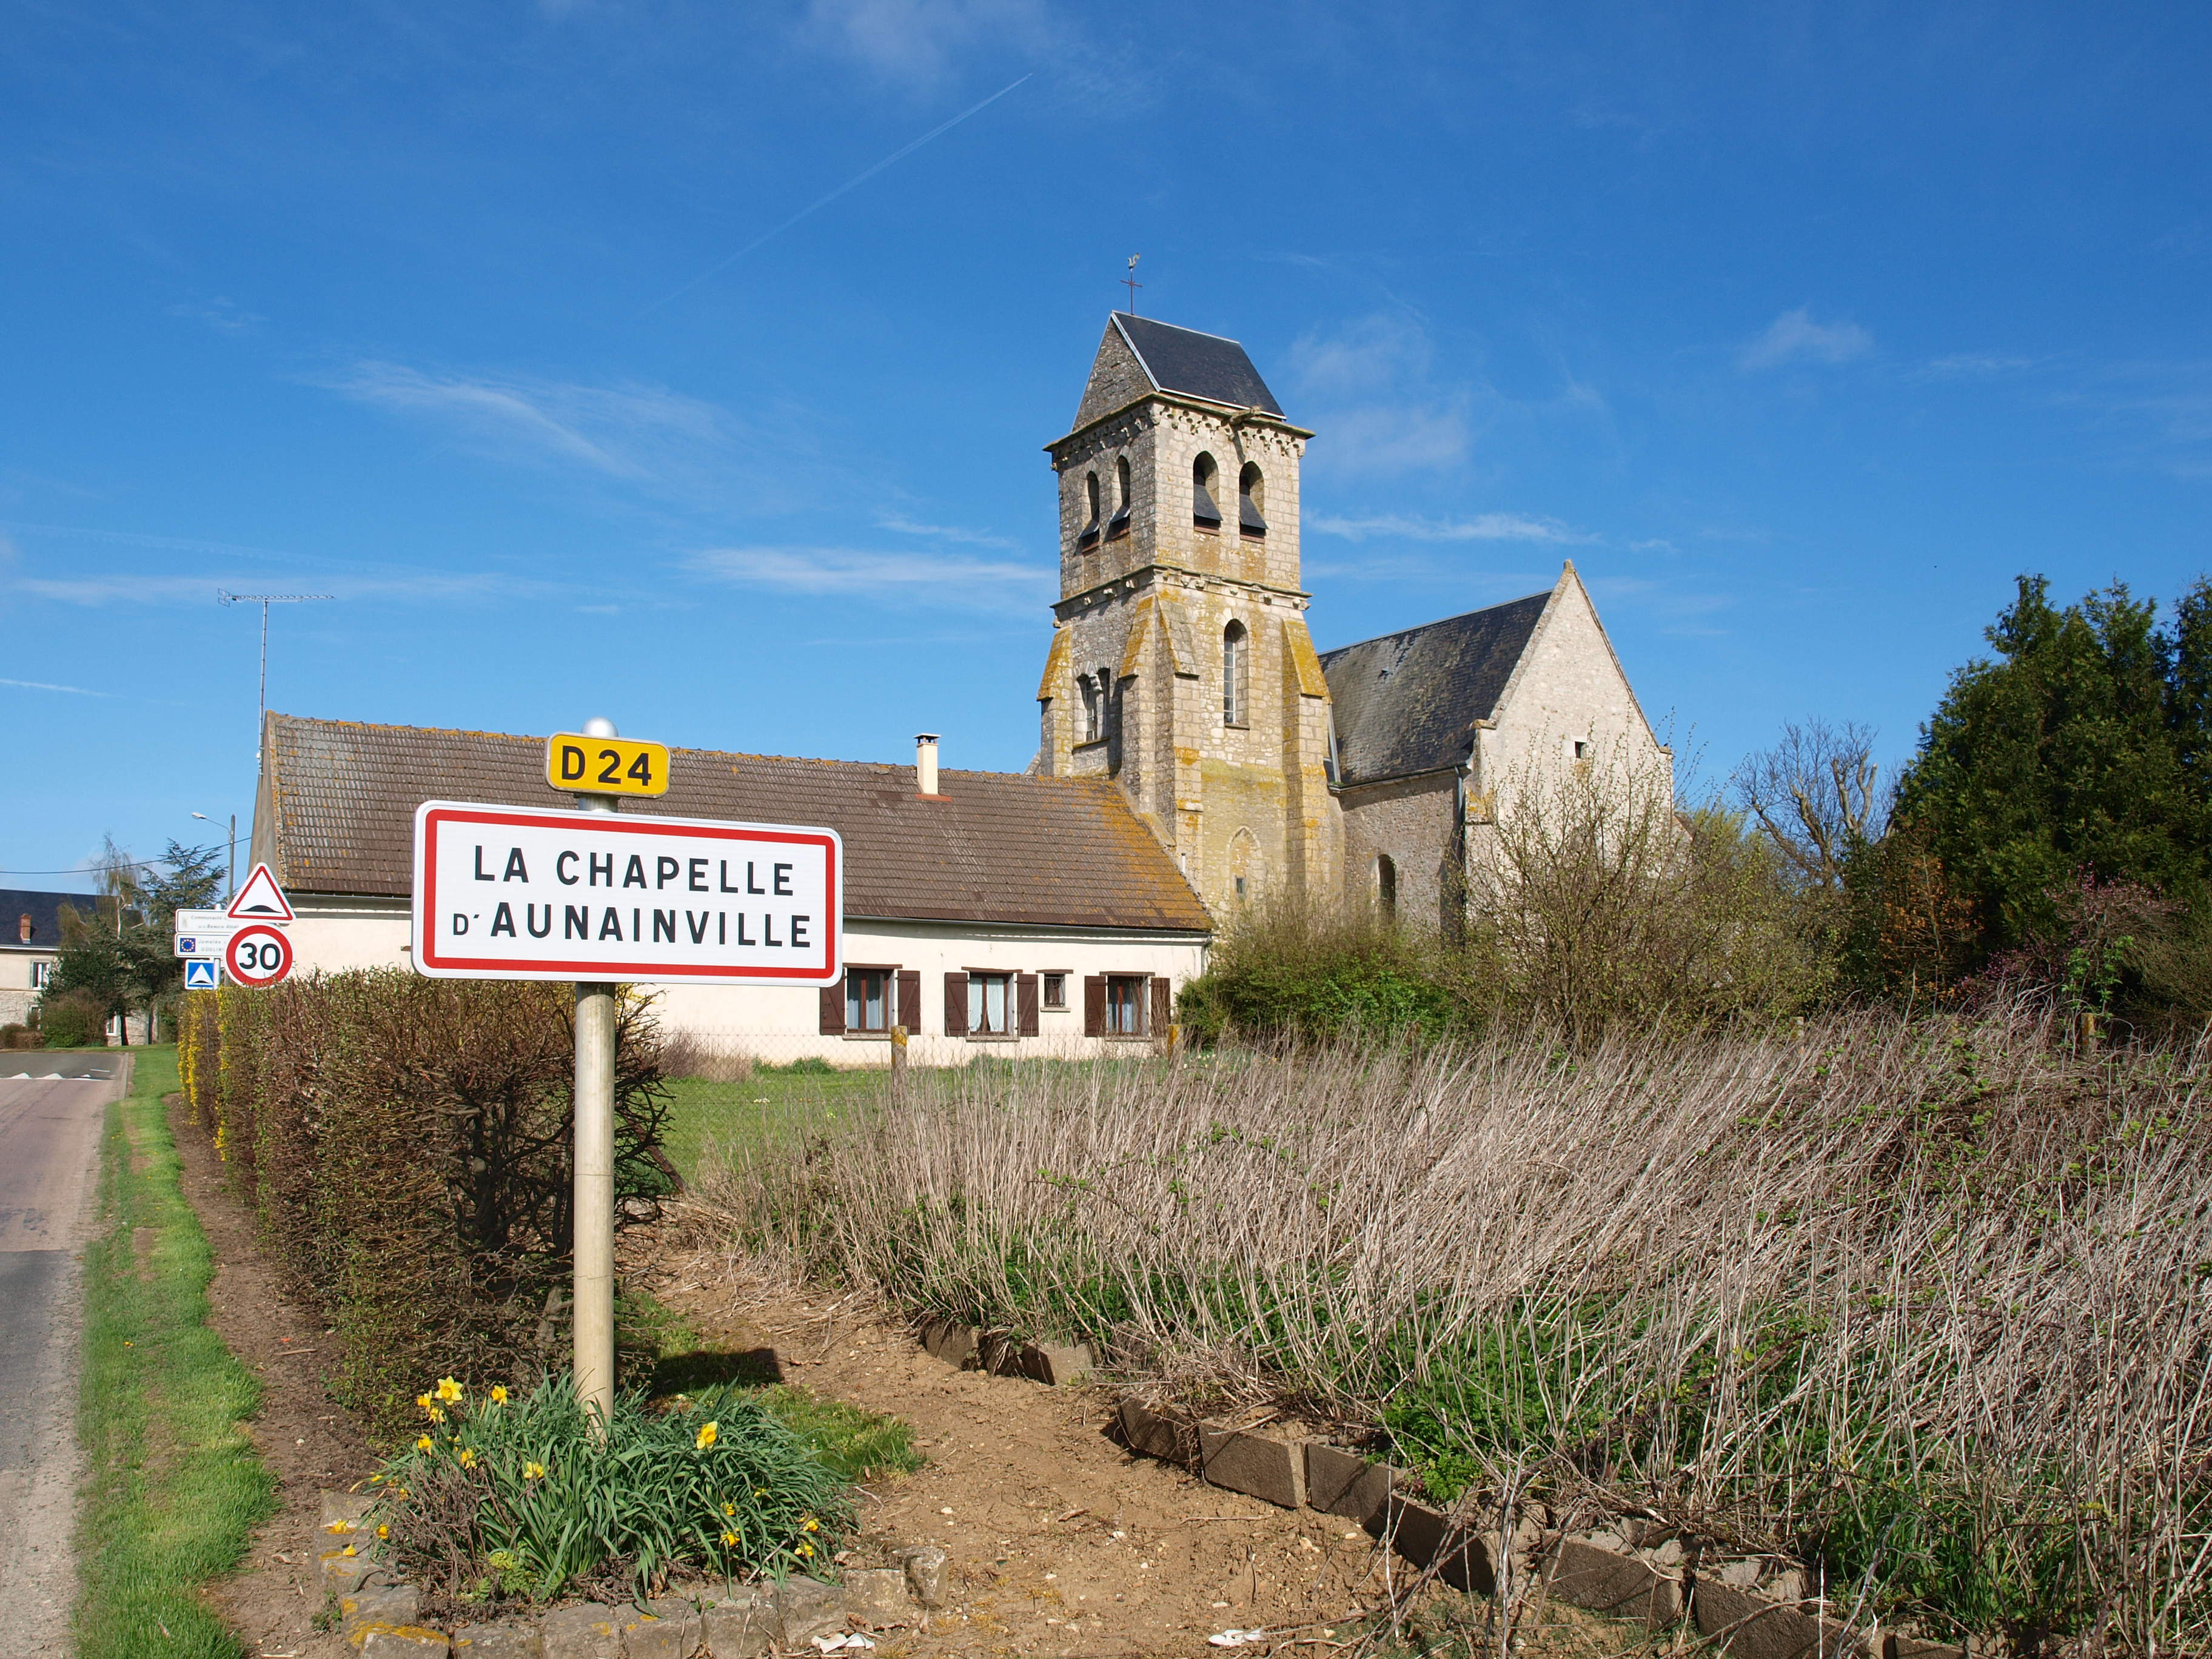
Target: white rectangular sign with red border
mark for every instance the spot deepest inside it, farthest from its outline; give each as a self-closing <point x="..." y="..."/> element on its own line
<point x="510" y="892"/>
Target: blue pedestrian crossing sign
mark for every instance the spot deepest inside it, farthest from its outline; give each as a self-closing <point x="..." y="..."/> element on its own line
<point x="202" y="973"/>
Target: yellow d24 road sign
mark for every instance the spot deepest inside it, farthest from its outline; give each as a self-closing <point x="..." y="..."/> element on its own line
<point x="606" y="766"/>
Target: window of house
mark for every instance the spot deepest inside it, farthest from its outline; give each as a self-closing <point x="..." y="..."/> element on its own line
<point x="1582" y="750"/>
<point x="1125" y="1005"/>
<point x="1119" y="525"/>
<point x="1204" y="476"/>
<point x="1055" y="990"/>
<point x="990" y="1005"/>
<point x="1089" y="533"/>
<point x="869" y="993"/>
<point x="1233" y="651"/>
<point x="1385" y="885"/>
<point x="1251" y="497"/>
<point x="42" y="974"/>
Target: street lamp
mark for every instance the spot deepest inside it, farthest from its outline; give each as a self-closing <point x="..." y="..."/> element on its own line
<point x="231" y="849"/>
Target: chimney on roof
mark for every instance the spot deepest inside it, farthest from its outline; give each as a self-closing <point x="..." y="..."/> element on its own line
<point x="24" y="928"/>
<point x="925" y="763"/>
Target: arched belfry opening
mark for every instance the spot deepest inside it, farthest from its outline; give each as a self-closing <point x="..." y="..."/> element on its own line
<point x="1205" y="481"/>
<point x="1386" y="886"/>
<point x="1118" y="523"/>
<point x="1251" y="501"/>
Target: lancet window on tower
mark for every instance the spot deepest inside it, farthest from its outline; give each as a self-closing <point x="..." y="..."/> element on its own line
<point x="1234" y="647"/>
<point x="1251" y="497"/>
<point x="1092" y="719"/>
<point x="1205" y="477"/>
<point x="1119" y="525"/>
<point x="1089" y="533"/>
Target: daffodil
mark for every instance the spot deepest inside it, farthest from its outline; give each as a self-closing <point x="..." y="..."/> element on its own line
<point x="729" y="1541"/>
<point x="448" y="1390"/>
<point x="533" y="1471"/>
<point x="499" y="1394"/>
<point x="708" y="1434"/>
<point x="423" y="1443"/>
<point x="348" y="1550"/>
<point x="468" y="1458"/>
<point x="809" y="1524"/>
<point x="422" y="1402"/>
<point x="437" y="1415"/>
<point x="807" y="1549"/>
<point x="729" y="1508"/>
<point x="384" y="1532"/>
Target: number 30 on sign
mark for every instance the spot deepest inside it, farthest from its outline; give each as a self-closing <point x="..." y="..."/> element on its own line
<point x="259" y="955"/>
<point x="606" y="766"/>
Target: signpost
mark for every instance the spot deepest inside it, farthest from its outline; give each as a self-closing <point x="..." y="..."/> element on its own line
<point x="509" y="892"/>
<point x="257" y="956"/>
<point x="202" y="934"/>
<point x="202" y="974"/>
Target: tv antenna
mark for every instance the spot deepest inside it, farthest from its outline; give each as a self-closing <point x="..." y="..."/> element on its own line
<point x="264" y="600"/>
<point x="1131" y="282"/>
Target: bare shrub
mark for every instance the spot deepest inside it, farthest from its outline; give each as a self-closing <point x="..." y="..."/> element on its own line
<point x="705" y="1055"/>
<point x="1926" y="1303"/>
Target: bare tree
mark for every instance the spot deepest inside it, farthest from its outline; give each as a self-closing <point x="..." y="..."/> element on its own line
<point x="1814" y="794"/>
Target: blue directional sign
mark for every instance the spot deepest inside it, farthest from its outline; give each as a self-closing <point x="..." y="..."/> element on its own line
<point x="202" y="973"/>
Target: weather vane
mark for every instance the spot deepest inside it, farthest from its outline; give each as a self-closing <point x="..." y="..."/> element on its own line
<point x="1131" y="282"/>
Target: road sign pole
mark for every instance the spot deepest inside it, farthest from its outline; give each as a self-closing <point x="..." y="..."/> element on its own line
<point x="593" y="1289"/>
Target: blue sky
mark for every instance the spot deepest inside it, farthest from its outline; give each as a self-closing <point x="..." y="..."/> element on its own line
<point x="1800" y="329"/>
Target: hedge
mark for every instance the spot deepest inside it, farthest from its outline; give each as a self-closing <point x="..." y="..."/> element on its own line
<point x="405" y="1144"/>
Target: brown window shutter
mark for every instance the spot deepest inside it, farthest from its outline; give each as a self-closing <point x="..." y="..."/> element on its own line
<point x="1162" y="1006"/>
<point x="1094" y="1005"/>
<point x="1026" y="1002"/>
<point x="833" y="1009"/>
<point x="910" y="993"/>
<point x="956" y="1005"/>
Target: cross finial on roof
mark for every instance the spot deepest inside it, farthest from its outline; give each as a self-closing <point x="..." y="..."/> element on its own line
<point x="1131" y="282"/>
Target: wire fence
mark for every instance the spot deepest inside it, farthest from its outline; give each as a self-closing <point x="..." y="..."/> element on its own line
<point x="725" y="1056"/>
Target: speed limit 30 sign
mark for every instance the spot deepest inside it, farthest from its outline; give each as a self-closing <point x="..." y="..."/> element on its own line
<point x="257" y="955"/>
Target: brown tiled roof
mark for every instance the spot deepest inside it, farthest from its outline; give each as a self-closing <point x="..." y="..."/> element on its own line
<point x="340" y="799"/>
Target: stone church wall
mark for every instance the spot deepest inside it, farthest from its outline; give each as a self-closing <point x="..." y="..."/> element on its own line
<point x="1409" y="821"/>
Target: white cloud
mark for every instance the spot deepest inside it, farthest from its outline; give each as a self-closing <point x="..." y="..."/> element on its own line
<point x="916" y="41"/>
<point x="943" y="533"/>
<point x="1795" y="337"/>
<point x="41" y="685"/>
<point x="602" y="427"/>
<point x="1483" y="527"/>
<point x="1363" y="357"/>
<point x="1966" y="364"/>
<point x="218" y="313"/>
<point x="860" y="572"/>
<point x="1387" y="438"/>
<point x="130" y="587"/>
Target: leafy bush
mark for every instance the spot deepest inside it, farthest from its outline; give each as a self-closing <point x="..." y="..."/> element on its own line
<point x="516" y="1497"/>
<point x="1286" y="968"/>
<point x="406" y="1144"/>
<point x="72" y="1019"/>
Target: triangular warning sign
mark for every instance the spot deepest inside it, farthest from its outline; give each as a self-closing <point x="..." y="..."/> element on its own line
<point x="261" y="899"/>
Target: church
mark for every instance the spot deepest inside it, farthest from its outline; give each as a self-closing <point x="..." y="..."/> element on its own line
<point x="1196" y="754"/>
<point x="1181" y="663"/>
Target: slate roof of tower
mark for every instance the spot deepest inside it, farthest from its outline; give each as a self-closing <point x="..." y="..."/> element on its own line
<point x="339" y="801"/>
<point x="1197" y="365"/>
<point x="1407" y="702"/>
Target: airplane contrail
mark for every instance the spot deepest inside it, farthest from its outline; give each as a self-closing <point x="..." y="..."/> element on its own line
<point x="857" y="179"/>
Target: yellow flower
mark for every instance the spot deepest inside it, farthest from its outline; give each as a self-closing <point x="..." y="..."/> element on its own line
<point x="448" y="1390"/>
<point x="729" y="1508"/>
<point x="760" y="1492"/>
<point x="423" y="1443"/>
<point x="710" y="1435"/>
<point x="384" y="1532"/>
<point x="437" y="1415"/>
<point x="423" y="1401"/>
<point x="348" y="1550"/>
<point x="499" y="1394"/>
<point x="807" y="1549"/>
<point x="729" y="1541"/>
<point x="468" y="1458"/>
<point x="533" y="1471"/>
<point x="810" y="1524"/>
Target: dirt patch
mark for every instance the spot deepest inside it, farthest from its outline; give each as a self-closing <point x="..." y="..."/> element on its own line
<point x="309" y="1442"/>
<point x="1061" y="1541"/>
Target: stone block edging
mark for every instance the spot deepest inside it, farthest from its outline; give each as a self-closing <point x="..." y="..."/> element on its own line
<point x="972" y="1348"/>
<point x="1749" y="1608"/>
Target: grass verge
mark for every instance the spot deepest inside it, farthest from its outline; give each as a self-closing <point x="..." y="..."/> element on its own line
<point x="176" y="1488"/>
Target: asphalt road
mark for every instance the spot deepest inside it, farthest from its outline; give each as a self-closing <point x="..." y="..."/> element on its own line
<point x="49" y="1146"/>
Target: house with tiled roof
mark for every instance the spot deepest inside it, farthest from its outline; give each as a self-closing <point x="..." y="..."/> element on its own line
<point x="982" y="907"/>
<point x="1196" y="752"/>
<point x="30" y="939"/>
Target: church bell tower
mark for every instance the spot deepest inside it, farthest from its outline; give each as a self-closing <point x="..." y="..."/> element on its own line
<point x="1181" y="665"/>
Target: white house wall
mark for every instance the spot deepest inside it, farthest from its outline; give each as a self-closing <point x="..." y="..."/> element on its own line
<point x="784" y="1024"/>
